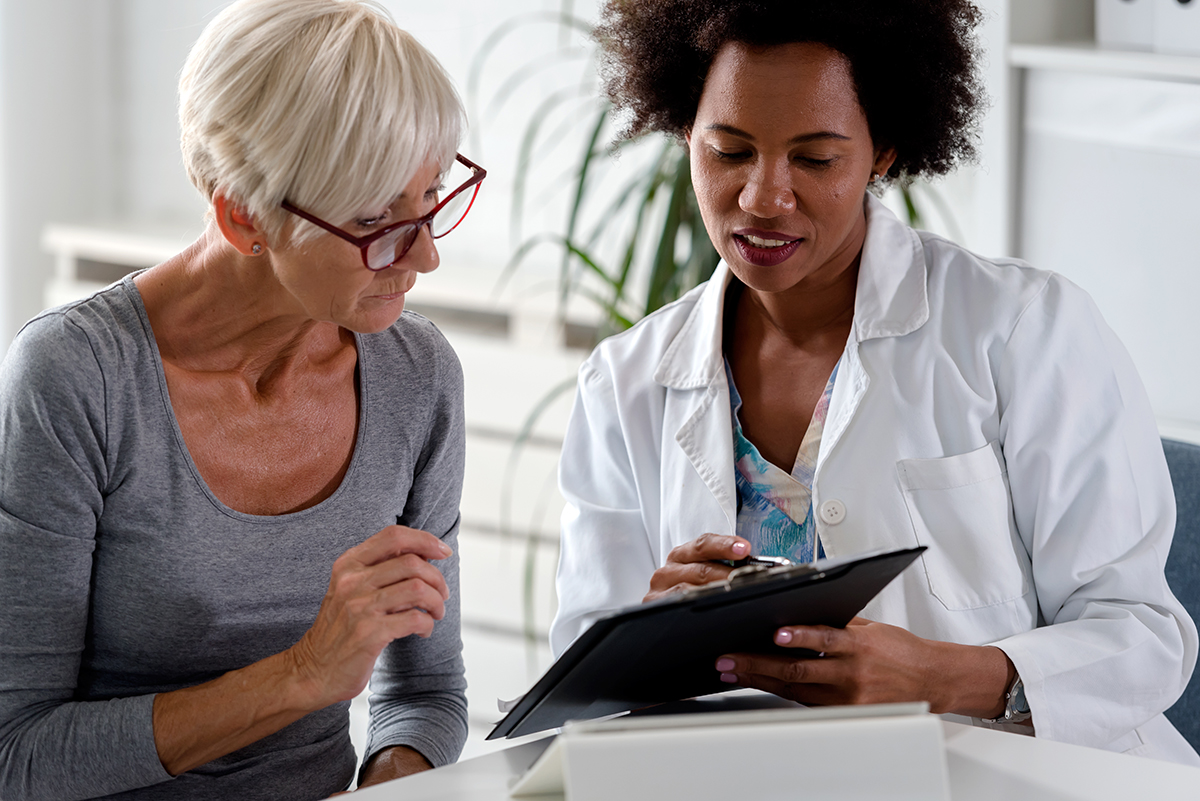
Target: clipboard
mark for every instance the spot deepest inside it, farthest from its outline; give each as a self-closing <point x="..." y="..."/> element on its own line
<point x="665" y="650"/>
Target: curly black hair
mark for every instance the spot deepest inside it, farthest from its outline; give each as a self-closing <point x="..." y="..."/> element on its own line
<point x="913" y="63"/>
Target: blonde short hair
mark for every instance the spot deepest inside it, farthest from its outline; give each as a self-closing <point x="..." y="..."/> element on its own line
<point x="325" y="103"/>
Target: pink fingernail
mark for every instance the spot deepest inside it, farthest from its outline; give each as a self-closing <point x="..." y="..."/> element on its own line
<point x="729" y="678"/>
<point x="740" y="548"/>
<point x="725" y="664"/>
<point x="445" y="548"/>
<point x="783" y="636"/>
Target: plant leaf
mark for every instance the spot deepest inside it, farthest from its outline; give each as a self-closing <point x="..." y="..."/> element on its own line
<point x="581" y="185"/>
<point x="524" y="73"/>
<point x="525" y="153"/>
<point x="910" y="206"/>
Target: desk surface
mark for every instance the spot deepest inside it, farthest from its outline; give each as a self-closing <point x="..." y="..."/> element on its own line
<point x="984" y="765"/>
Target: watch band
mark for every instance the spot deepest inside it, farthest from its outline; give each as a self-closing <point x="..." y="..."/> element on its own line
<point x="1016" y="708"/>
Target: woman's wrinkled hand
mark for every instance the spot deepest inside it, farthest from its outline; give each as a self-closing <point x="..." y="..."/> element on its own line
<point x="873" y="663"/>
<point x="695" y="563"/>
<point x="379" y="591"/>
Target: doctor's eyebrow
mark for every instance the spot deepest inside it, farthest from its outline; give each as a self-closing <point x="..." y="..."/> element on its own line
<point x="795" y="140"/>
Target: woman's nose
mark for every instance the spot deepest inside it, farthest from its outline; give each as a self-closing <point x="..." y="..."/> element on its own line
<point x="422" y="257"/>
<point x="768" y="192"/>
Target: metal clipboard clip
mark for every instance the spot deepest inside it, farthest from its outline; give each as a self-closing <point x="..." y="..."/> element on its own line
<point x="752" y="570"/>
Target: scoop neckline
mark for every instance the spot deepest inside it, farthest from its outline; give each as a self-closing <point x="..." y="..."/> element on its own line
<point x="139" y="306"/>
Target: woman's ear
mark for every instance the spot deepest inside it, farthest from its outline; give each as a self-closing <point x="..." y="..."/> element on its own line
<point x="237" y="226"/>
<point x="885" y="157"/>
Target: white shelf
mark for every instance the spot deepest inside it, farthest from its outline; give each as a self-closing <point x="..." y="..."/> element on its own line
<point x="116" y="248"/>
<point x="1087" y="57"/>
<point x="118" y="243"/>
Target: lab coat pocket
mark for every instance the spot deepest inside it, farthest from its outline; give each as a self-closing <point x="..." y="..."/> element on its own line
<point x="960" y="508"/>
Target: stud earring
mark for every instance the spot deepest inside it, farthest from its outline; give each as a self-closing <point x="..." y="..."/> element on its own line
<point x="256" y="249"/>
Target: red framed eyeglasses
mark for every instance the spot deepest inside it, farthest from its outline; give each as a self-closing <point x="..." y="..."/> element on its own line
<point x="383" y="248"/>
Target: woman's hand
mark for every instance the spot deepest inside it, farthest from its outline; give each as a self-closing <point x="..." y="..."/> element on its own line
<point x="872" y="663"/>
<point x="381" y="590"/>
<point x="695" y="563"/>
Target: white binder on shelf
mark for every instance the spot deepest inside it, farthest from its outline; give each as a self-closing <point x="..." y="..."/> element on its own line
<point x="1125" y="24"/>
<point x="1177" y="27"/>
<point x="851" y="753"/>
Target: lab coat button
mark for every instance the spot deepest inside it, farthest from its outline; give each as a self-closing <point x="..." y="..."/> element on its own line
<point x="833" y="512"/>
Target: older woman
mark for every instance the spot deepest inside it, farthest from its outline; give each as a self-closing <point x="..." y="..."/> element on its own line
<point x="185" y="455"/>
<point x="844" y="384"/>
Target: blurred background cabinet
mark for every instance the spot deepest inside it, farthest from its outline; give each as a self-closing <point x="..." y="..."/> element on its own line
<point x="1104" y="154"/>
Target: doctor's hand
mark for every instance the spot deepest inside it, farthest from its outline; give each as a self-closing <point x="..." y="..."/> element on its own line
<point x="873" y="663"/>
<point x="695" y="563"/>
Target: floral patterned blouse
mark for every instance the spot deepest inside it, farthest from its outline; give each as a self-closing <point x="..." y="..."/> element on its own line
<point x="774" y="507"/>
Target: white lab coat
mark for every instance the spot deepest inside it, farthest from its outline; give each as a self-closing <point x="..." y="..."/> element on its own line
<point x="984" y="409"/>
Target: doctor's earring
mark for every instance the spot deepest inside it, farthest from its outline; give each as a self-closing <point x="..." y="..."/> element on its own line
<point x="256" y="249"/>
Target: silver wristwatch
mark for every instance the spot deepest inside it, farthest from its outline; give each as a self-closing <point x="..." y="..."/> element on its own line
<point x="1016" y="708"/>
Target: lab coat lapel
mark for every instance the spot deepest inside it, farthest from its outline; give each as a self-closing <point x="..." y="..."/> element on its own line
<point x="891" y="300"/>
<point x="697" y="409"/>
<point x="892" y="297"/>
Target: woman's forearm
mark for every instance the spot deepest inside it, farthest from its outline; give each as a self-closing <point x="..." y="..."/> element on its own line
<point x="198" y="724"/>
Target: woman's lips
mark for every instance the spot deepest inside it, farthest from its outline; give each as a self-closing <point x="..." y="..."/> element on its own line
<point x="764" y="248"/>
<point x="398" y="293"/>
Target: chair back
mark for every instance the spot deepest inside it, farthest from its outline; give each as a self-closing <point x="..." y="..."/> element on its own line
<point x="1183" y="568"/>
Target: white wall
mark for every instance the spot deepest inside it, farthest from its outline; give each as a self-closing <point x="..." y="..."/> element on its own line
<point x="149" y="41"/>
<point x="4" y="311"/>
<point x="55" y="79"/>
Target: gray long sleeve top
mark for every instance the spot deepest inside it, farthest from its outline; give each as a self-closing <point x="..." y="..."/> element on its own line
<point x="123" y="576"/>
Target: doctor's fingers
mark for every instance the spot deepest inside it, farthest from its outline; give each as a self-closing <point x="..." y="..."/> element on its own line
<point x="808" y="694"/>
<point x="673" y="574"/>
<point x="710" y="547"/>
<point x="786" y="669"/>
<point x="822" y="639"/>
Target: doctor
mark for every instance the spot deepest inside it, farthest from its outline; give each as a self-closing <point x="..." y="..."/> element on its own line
<point x="844" y="383"/>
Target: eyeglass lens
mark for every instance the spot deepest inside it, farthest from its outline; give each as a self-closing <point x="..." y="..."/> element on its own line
<point x="387" y="249"/>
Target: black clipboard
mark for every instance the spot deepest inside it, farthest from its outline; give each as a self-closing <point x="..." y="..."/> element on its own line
<point x="665" y="650"/>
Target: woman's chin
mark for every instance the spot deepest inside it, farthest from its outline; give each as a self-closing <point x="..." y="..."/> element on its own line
<point x="775" y="278"/>
<point x="375" y="317"/>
